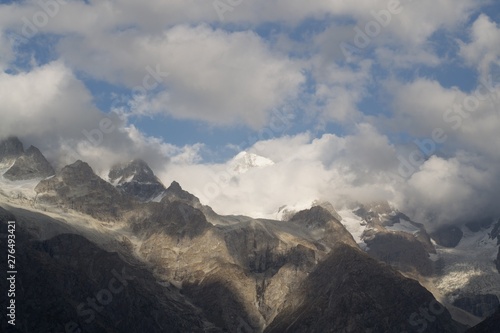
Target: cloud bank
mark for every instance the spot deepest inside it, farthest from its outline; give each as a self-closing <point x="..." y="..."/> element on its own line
<point x="411" y="116"/>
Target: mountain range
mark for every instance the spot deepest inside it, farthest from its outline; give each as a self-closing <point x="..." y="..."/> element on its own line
<point x="128" y="254"/>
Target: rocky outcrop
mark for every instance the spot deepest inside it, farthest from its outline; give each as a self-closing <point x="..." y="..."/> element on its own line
<point x="137" y="180"/>
<point x="323" y="226"/>
<point x="10" y="149"/>
<point x="448" y="236"/>
<point x="31" y="165"/>
<point x="401" y="250"/>
<point x="77" y="187"/>
<point x="68" y="284"/>
<point x="351" y="292"/>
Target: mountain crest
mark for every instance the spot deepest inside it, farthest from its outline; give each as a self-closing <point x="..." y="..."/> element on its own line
<point x="10" y="148"/>
<point x="32" y="164"/>
<point x="77" y="187"/>
<point x="137" y="180"/>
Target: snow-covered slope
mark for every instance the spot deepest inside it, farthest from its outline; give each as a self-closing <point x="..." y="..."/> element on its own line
<point x="468" y="268"/>
<point x="245" y="161"/>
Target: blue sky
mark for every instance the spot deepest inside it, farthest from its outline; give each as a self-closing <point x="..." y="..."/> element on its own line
<point x="213" y="82"/>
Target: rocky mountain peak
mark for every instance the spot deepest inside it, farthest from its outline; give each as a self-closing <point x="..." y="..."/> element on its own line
<point x="10" y="148"/>
<point x="137" y="180"/>
<point x="136" y="170"/>
<point x="316" y="216"/>
<point x="176" y="193"/>
<point x="77" y="187"/>
<point x="175" y="187"/>
<point x="324" y="225"/>
<point x="78" y="171"/>
<point x="32" y="164"/>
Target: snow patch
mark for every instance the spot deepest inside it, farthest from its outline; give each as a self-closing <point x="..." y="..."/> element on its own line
<point x="355" y="225"/>
<point x="244" y="161"/>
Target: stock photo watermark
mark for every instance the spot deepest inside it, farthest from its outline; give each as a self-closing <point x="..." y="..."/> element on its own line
<point x="33" y="24"/>
<point x="87" y="310"/>
<point x="487" y="90"/>
<point x="11" y="272"/>
<point x="365" y="34"/>
<point x="95" y="137"/>
<point x="427" y="313"/>
<point x="223" y="6"/>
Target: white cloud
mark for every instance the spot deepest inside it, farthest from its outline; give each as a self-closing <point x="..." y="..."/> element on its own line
<point x="47" y="100"/>
<point x="332" y="168"/>
<point x="215" y="76"/>
<point x="452" y="191"/>
<point x="484" y="48"/>
<point x="231" y="75"/>
<point x="51" y="109"/>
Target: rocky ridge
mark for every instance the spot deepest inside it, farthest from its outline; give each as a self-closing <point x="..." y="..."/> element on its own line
<point x="136" y="179"/>
<point x="241" y="274"/>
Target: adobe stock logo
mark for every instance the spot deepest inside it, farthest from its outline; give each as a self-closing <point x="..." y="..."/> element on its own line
<point x="49" y="9"/>
<point x="427" y="314"/>
<point x="87" y="310"/>
<point x="372" y="29"/>
<point x="487" y="91"/>
<point x="222" y="7"/>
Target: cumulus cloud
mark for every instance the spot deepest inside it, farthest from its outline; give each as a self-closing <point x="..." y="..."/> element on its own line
<point x="184" y="60"/>
<point x="452" y="191"/>
<point x="483" y="50"/>
<point x="50" y="108"/>
<point x="357" y="168"/>
<point x="205" y="74"/>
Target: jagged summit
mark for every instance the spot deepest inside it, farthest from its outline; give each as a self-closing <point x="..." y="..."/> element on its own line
<point x="137" y="180"/>
<point x="323" y="224"/>
<point x="23" y="165"/>
<point x="77" y="187"/>
<point x="78" y="172"/>
<point x="136" y="170"/>
<point x="32" y="164"/>
<point x="175" y="187"/>
<point x="176" y="193"/>
<point x="10" y="148"/>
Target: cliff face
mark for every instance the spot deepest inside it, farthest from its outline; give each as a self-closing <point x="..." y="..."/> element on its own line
<point x="32" y="164"/>
<point x="10" y="149"/>
<point x="77" y="187"/>
<point x="69" y="282"/>
<point x="351" y="292"/>
<point x="184" y="268"/>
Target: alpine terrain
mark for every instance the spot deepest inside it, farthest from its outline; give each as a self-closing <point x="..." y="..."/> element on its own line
<point x="128" y="254"/>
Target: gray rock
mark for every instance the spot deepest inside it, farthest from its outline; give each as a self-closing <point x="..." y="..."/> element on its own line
<point x="448" y="236"/>
<point x="137" y="180"/>
<point x="32" y="164"/>
<point x="351" y="292"/>
<point x="10" y="148"/>
<point x="77" y="187"/>
<point x="401" y="250"/>
<point x="68" y="281"/>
